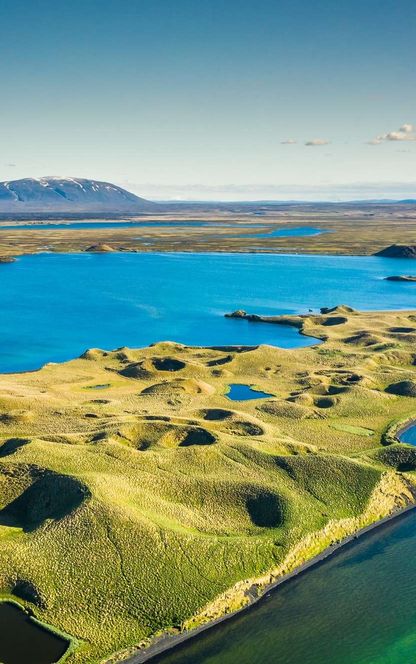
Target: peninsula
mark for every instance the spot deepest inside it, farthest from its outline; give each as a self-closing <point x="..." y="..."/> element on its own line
<point x="225" y="497"/>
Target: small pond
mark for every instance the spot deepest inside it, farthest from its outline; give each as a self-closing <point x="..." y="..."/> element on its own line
<point x="408" y="435"/>
<point x="298" y="231"/>
<point x="240" y="392"/>
<point x="23" y="641"/>
<point x="103" y="386"/>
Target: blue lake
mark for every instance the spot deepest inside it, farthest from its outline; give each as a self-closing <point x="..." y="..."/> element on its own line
<point x="54" y="306"/>
<point x="239" y="392"/>
<point x="89" y="225"/>
<point x="299" y="231"/>
<point x="409" y="435"/>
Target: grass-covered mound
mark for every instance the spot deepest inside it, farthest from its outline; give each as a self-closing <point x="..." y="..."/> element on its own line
<point x="136" y="498"/>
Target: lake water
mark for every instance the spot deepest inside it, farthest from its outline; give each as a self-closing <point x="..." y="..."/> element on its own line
<point x="54" y="306"/>
<point x="89" y="225"/>
<point x="409" y="435"/>
<point x="358" y="607"/>
<point x="239" y="392"/>
<point x="22" y="641"/>
<point x="298" y="231"/>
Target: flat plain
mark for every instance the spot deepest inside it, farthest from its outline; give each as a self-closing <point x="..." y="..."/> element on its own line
<point x="350" y="230"/>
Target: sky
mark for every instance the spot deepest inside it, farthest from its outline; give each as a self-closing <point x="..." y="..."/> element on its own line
<point x="212" y="99"/>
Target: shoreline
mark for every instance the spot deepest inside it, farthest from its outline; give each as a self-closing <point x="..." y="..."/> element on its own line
<point x="127" y="247"/>
<point x="168" y="642"/>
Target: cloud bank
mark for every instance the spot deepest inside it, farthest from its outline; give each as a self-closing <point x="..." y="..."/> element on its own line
<point x="405" y="133"/>
<point x="277" y="192"/>
<point x="312" y="142"/>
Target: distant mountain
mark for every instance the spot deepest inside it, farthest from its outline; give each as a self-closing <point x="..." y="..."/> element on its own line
<point x="72" y="195"/>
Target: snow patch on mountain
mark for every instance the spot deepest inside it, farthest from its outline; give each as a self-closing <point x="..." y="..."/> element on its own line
<point x="67" y="194"/>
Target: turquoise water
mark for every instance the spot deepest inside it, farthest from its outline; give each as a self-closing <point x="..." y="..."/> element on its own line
<point x="239" y="392"/>
<point x="88" y="225"/>
<point x="108" y="224"/>
<point x="299" y="231"/>
<point x="357" y="607"/>
<point x="54" y="306"/>
<point x="409" y="435"/>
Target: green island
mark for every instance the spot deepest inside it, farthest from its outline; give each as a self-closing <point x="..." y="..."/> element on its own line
<point x="137" y="501"/>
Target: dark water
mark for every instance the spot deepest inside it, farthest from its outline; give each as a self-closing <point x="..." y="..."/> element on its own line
<point x="358" y="607"/>
<point x="22" y="641"/>
<point x="55" y="306"/>
<point x="239" y="392"/>
<point x="98" y="387"/>
<point x="409" y="435"/>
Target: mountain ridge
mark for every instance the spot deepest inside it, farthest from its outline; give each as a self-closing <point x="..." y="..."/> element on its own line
<point x="67" y="194"/>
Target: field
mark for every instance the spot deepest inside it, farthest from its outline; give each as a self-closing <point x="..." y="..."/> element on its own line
<point x="353" y="229"/>
<point x="136" y="498"/>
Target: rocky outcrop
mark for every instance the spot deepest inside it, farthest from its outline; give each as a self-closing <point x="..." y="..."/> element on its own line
<point x="401" y="277"/>
<point x="240" y="313"/>
<point x="7" y="259"/>
<point x="100" y="249"/>
<point x="398" y="251"/>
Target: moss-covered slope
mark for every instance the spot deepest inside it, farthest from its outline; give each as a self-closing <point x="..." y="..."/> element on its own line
<point x="135" y="497"/>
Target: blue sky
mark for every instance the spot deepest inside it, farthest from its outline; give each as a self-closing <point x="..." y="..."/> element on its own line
<point x="199" y="98"/>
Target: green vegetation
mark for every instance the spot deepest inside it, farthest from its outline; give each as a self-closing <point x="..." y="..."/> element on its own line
<point x="352" y="229"/>
<point x="155" y="503"/>
<point x="349" y="428"/>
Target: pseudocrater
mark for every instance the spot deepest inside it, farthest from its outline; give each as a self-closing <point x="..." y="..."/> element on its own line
<point x="265" y="509"/>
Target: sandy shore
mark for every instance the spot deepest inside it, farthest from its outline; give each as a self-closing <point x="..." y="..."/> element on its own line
<point x="169" y="642"/>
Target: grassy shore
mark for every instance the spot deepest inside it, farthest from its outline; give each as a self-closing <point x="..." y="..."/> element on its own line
<point x="137" y="500"/>
<point x="168" y="642"/>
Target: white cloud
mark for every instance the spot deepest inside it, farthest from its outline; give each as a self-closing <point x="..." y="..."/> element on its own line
<point x="399" y="136"/>
<point x="317" y="141"/>
<point x="288" y="141"/>
<point x="405" y="133"/>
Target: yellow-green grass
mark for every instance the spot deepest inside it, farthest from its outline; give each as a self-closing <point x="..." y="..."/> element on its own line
<point x="354" y="230"/>
<point x="155" y="502"/>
